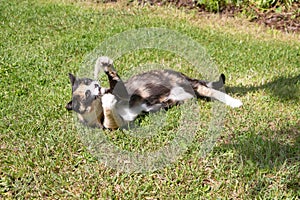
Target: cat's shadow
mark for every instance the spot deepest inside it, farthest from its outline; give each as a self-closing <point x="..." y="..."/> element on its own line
<point x="283" y="88"/>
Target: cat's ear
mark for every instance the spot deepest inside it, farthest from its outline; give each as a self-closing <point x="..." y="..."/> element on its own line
<point x="69" y="105"/>
<point x="72" y="78"/>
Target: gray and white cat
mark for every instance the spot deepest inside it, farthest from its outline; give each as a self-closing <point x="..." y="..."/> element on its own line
<point x="122" y="102"/>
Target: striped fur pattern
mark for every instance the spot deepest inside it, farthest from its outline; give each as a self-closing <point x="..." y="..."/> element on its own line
<point x="122" y="102"/>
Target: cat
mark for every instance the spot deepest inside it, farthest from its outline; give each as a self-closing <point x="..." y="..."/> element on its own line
<point x="115" y="107"/>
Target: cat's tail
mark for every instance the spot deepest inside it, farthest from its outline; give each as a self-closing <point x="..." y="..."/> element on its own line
<point x="218" y="95"/>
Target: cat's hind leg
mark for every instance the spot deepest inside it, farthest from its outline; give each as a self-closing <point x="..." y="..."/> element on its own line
<point x="218" y="95"/>
<point x="209" y="89"/>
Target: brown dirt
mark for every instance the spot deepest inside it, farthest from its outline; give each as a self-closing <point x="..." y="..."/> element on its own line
<point x="285" y="20"/>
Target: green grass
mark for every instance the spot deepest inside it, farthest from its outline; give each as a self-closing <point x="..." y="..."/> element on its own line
<point x="42" y="155"/>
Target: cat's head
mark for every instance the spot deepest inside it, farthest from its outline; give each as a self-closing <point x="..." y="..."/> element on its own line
<point x="86" y="95"/>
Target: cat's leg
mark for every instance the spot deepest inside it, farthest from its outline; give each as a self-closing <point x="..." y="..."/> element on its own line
<point x="209" y="89"/>
<point x="116" y="84"/>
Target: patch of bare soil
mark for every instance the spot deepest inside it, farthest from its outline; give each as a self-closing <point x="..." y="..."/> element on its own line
<point x="286" y="20"/>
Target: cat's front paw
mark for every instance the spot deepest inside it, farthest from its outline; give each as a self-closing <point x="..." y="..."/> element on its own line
<point x="108" y="101"/>
<point x="105" y="63"/>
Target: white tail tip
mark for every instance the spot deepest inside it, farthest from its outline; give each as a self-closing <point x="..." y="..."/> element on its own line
<point x="234" y="103"/>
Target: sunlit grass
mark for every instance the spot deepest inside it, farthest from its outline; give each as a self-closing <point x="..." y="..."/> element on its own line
<point x="42" y="155"/>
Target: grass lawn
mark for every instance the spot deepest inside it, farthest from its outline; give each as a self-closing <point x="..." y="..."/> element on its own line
<point x="257" y="154"/>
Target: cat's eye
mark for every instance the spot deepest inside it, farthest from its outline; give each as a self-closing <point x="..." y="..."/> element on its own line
<point x="87" y="81"/>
